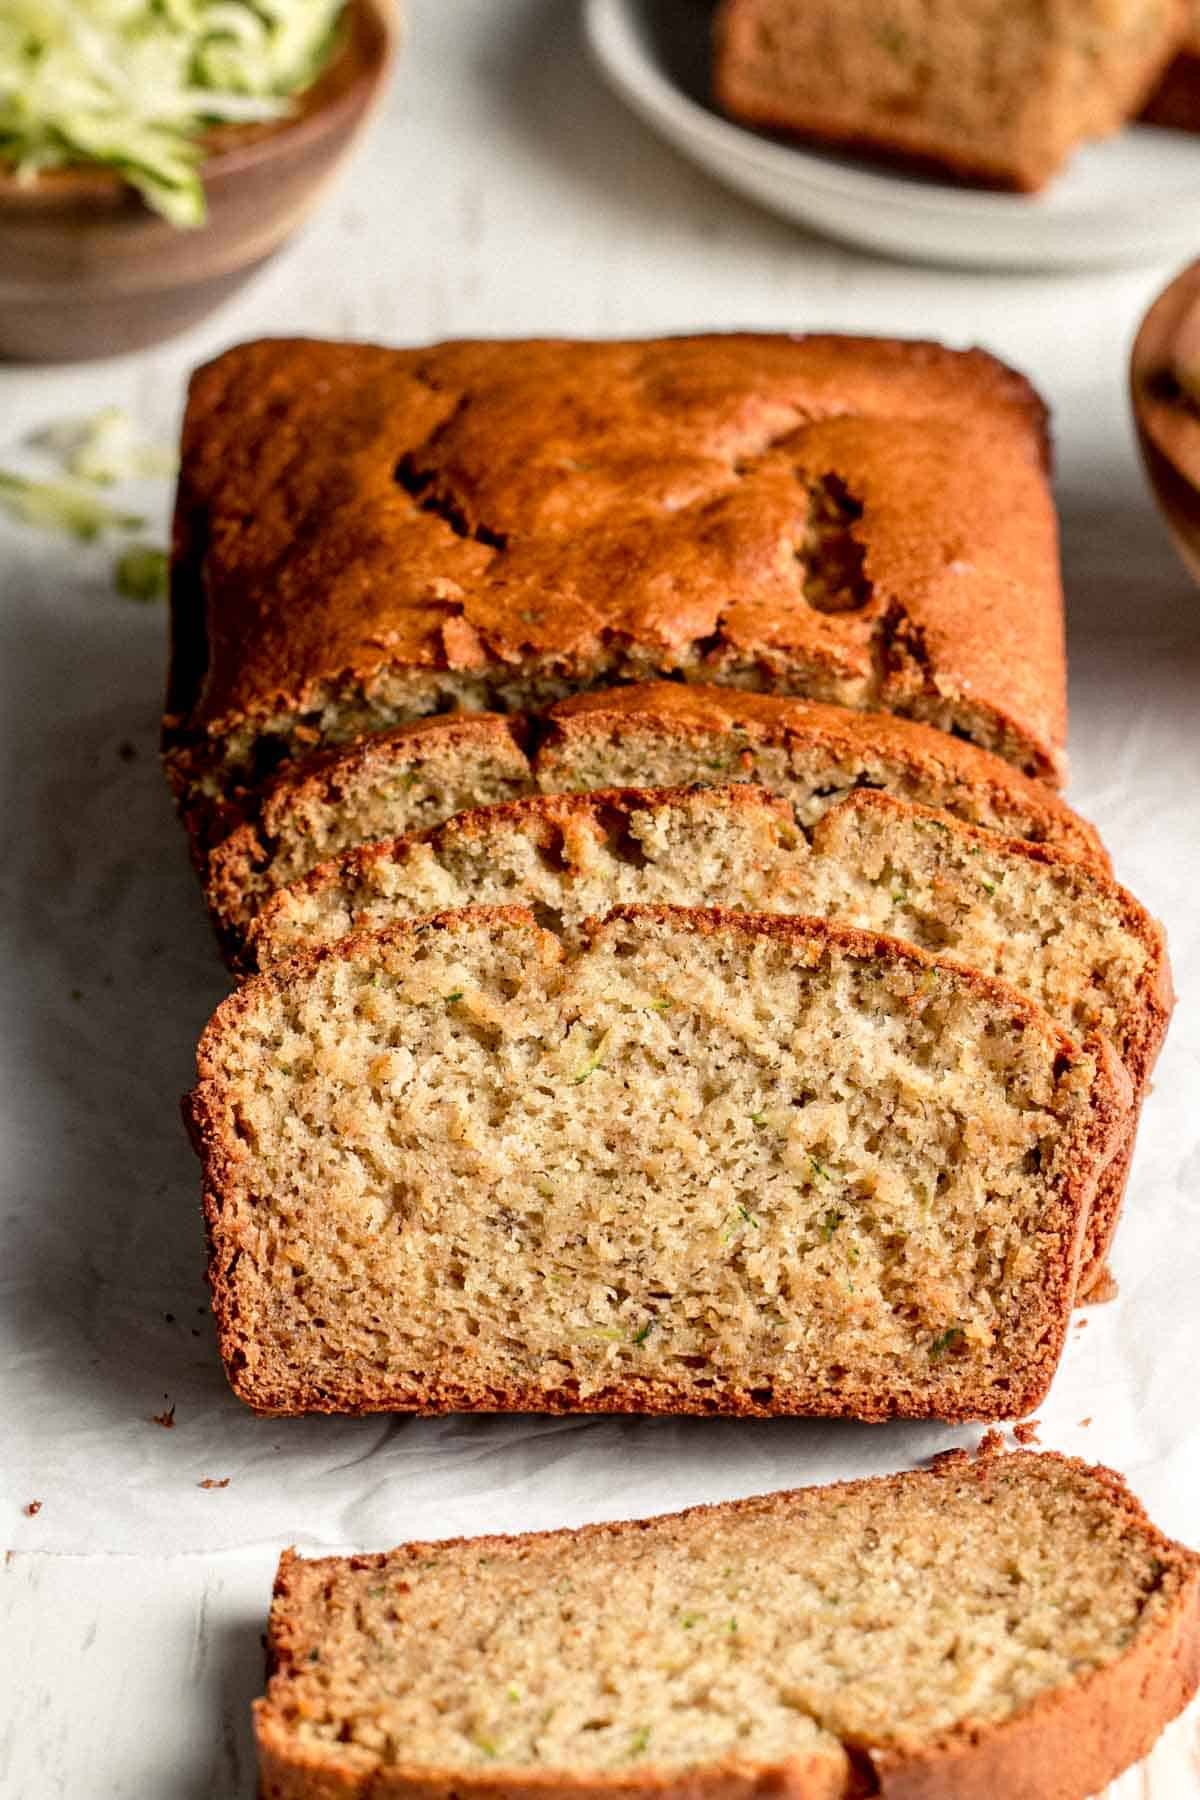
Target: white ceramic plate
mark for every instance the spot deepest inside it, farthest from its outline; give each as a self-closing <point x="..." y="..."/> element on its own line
<point x="1133" y="199"/>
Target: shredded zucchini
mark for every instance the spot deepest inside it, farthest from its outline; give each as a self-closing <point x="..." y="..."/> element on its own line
<point x="141" y="573"/>
<point x="105" y="448"/>
<point x="58" y="506"/>
<point x="131" y="84"/>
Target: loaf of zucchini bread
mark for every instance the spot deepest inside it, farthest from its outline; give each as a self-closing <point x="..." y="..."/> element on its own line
<point x="995" y="94"/>
<point x="694" y="1162"/>
<point x="1010" y="1626"/>
<point x="366" y="536"/>
<point x="660" y="734"/>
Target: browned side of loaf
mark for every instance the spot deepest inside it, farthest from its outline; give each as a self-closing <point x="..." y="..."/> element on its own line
<point x="283" y="1395"/>
<point x="1065" y="1745"/>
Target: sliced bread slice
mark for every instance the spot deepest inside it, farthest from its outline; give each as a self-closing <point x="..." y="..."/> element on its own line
<point x="1010" y="1626"/>
<point x="668" y="733"/>
<point x="1060" y="930"/>
<point x="396" y="781"/>
<point x="658" y="734"/>
<point x="699" y="1162"/>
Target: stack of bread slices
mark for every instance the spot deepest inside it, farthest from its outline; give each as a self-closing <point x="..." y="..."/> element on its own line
<point x="630" y="770"/>
<point x="625" y="779"/>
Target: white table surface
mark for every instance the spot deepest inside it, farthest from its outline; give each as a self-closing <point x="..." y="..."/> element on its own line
<point x="503" y="190"/>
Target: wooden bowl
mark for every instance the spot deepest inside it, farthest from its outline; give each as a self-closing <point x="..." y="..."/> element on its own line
<point x="1168" y="426"/>
<point x="87" y="269"/>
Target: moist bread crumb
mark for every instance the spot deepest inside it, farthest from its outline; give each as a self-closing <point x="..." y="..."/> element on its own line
<point x="704" y="1162"/>
<point x="1009" y="1625"/>
<point x="1060" y="930"/>
<point x="669" y="734"/>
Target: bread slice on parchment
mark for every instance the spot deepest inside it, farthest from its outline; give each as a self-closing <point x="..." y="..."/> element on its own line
<point x="992" y="1628"/>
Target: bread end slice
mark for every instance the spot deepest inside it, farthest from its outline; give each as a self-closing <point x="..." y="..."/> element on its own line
<point x="1010" y="1624"/>
<point x="697" y="1163"/>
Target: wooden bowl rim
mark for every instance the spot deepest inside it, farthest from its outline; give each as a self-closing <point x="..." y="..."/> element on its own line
<point x="1174" y="430"/>
<point x="346" y="85"/>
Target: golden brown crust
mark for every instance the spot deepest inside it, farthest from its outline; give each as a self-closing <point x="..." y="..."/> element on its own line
<point x="287" y="1392"/>
<point x="383" y="529"/>
<point x="1066" y="1744"/>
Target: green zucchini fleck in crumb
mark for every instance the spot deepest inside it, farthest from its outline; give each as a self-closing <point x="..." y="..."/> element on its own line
<point x="949" y="1339"/>
<point x="829" y="1225"/>
<point x="487" y="1746"/>
<point x="818" y="1167"/>
<point x="639" y="1337"/>
<point x="639" y="1740"/>
<point x="451" y="998"/>
<point x="594" y="1062"/>
<point x="989" y="887"/>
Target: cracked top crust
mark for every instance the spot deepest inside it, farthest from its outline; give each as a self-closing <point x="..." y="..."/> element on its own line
<point x="367" y="535"/>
